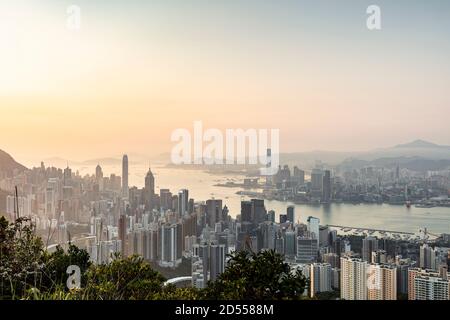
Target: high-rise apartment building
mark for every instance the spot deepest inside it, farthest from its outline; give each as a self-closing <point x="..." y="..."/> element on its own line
<point x="428" y="284"/>
<point x="353" y="278"/>
<point x="320" y="278"/>
<point x="216" y="260"/>
<point x="381" y="282"/>
<point x="170" y="244"/>
<point x="428" y="257"/>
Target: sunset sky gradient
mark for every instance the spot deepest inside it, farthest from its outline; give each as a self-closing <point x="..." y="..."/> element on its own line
<point x="137" y="70"/>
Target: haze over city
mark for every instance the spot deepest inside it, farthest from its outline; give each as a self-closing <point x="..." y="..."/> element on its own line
<point x="138" y="70"/>
<point x="225" y="155"/>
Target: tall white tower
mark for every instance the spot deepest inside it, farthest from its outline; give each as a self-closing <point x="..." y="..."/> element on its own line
<point x="125" y="188"/>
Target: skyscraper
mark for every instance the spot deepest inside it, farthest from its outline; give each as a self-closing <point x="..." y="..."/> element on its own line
<point x="123" y="234"/>
<point x="271" y="216"/>
<point x="369" y="245"/>
<point x="166" y="199"/>
<point x="307" y="250"/>
<point x="98" y="173"/>
<point x="316" y="183"/>
<point x="290" y="213"/>
<point x="258" y="211"/>
<point x="170" y="244"/>
<point x="149" y="190"/>
<point x="217" y="260"/>
<point x="313" y="227"/>
<point x="298" y="177"/>
<point x="246" y="211"/>
<point x="213" y="211"/>
<point x="428" y="258"/>
<point x="125" y="188"/>
<point x="320" y="278"/>
<point x="269" y="178"/>
<point x="290" y="244"/>
<point x="67" y="176"/>
<point x="99" y="177"/>
<point x="326" y="187"/>
<point x="183" y="202"/>
<point x="353" y="279"/>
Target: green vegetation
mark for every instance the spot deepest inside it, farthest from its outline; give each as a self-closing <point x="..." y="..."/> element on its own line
<point x="262" y="275"/>
<point x="330" y="295"/>
<point x="28" y="271"/>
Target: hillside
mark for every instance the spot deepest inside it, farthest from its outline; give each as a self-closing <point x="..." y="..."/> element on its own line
<point x="8" y="164"/>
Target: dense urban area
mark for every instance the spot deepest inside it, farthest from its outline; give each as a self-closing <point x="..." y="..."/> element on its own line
<point x="189" y="240"/>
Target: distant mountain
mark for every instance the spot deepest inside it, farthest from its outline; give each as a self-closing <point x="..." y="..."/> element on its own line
<point x="103" y="161"/>
<point x="411" y="163"/>
<point x="421" y="144"/>
<point x="8" y="164"/>
<point x="418" y="148"/>
<point x="115" y="160"/>
<point x="418" y="155"/>
<point x="59" y="162"/>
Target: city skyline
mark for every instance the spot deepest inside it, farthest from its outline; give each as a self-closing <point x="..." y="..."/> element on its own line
<point x="225" y="155"/>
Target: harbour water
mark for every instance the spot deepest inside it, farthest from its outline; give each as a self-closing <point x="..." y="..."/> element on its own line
<point x="375" y="216"/>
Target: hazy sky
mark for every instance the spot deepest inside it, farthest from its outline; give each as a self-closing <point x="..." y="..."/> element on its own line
<point x="137" y="70"/>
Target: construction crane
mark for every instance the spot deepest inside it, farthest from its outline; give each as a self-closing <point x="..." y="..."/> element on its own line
<point x="426" y="233"/>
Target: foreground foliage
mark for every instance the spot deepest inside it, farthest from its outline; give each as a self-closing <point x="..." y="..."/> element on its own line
<point x="28" y="271"/>
<point x="262" y="275"/>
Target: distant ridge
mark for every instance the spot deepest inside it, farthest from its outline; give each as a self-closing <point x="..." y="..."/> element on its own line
<point x="420" y="144"/>
<point x="8" y="164"/>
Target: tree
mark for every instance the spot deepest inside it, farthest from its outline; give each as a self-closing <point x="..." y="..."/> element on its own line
<point x="122" y="279"/>
<point x="21" y="253"/>
<point x="328" y="295"/>
<point x="171" y="292"/>
<point x="259" y="276"/>
<point x="56" y="264"/>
